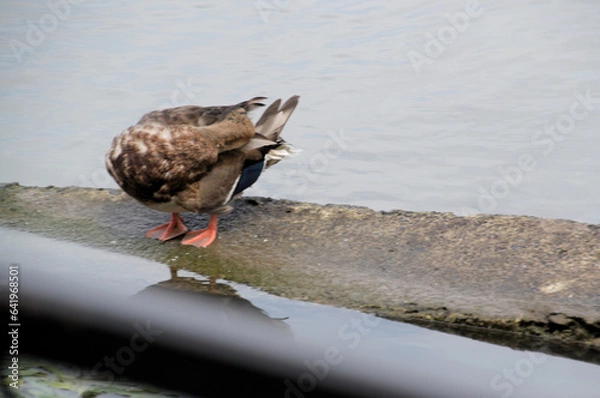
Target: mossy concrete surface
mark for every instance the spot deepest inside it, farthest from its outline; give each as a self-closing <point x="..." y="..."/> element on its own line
<point x="523" y="275"/>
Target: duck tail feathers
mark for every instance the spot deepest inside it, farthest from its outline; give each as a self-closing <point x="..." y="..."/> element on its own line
<point x="274" y="118"/>
<point x="279" y="152"/>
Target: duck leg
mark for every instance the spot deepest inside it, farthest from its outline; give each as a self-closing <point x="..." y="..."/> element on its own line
<point x="202" y="237"/>
<point x="170" y="230"/>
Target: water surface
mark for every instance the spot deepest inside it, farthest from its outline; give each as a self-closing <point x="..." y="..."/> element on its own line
<point x="408" y="105"/>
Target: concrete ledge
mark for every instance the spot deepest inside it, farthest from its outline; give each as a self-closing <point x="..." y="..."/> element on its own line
<point x="537" y="279"/>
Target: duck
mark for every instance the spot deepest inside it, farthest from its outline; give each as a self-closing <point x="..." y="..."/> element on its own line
<point x="198" y="159"/>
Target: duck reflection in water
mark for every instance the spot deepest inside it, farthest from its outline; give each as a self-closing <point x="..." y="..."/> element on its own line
<point x="209" y="293"/>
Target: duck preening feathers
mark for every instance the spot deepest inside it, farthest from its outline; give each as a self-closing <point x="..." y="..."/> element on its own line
<point x="197" y="159"/>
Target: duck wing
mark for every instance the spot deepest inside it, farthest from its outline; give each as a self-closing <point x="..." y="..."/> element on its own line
<point x="197" y="116"/>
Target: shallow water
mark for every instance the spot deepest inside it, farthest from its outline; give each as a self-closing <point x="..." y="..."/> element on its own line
<point x="492" y="370"/>
<point x="413" y="105"/>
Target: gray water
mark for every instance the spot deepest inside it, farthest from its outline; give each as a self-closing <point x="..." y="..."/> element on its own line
<point x="454" y="106"/>
<point x="485" y="369"/>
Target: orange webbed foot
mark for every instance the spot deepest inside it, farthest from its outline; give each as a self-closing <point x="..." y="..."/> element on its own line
<point x="174" y="228"/>
<point x="203" y="237"/>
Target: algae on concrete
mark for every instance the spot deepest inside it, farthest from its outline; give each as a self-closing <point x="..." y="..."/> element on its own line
<point x="536" y="278"/>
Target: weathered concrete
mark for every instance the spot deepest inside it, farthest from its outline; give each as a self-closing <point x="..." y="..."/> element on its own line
<point x="536" y="278"/>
